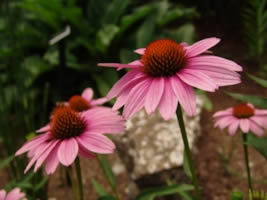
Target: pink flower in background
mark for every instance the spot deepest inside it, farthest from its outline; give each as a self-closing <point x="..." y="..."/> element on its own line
<point x="85" y="101"/>
<point x="14" y="194"/>
<point x="243" y="116"/>
<point x="166" y="74"/>
<point x="70" y="134"/>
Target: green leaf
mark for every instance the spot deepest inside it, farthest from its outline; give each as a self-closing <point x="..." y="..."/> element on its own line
<point x="256" y="100"/>
<point x="237" y="195"/>
<point x="41" y="184"/>
<point x="100" y="190"/>
<point x="259" y="143"/>
<point x="5" y="162"/>
<point x="186" y="166"/>
<point x="186" y="33"/>
<point x="146" y="31"/>
<point x="105" y="35"/>
<point x="107" y="170"/>
<point x="151" y="194"/>
<point x="108" y="197"/>
<point x="260" y="81"/>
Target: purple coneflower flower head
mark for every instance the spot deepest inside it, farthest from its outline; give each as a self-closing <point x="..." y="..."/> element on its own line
<point x="85" y="101"/>
<point x="70" y="134"/>
<point x="166" y="75"/>
<point x="243" y="116"/>
<point x="14" y="194"/>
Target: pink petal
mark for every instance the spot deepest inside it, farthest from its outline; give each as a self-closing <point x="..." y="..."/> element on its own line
<point x="96" y="143"/>
<point x="256" y="129"/>
<point x="260" y="112"/>
<point x="136" y="62"/>
<point x="129" y="79"/>
<point x="35" y="142"/>
<point x="244" y="125"/>
<point x="52" y="161"/>
<point x="38" y="152"/>
<point x="140" y="51"/>
<point x="223" y="113"/>
<point x="154" y="94"/>
<point x="99" y="101"/>
<point x="2" y="194"/>
<point x="185" y="95"/>
<point x="68" y="151"/>
<point x="197" y="79"/>
<point x="169" y="102"/>
<point x="225" y="121"/>
<point x="122" y="99"/>
<point x="233" y="127"/>
<point x="42" y="158"/>
<point x="85" y="153"/>
<point x="214" y="61"/>
<point x="221" y="76"/>
<point x="259" y="120"/>
<point x="15" y="194"/>
<point x="136" y="98"/>
<point x="201" y="46"/>
<point x="44" y="129"/>
<point x="118" y="65"/>
<point x="88" y="94"/>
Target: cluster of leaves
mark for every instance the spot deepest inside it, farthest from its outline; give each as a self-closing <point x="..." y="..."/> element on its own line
<point x="255" y="28"/>
<point x="34" y="75"/>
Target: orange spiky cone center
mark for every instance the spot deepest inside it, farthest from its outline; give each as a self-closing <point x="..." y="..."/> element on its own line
<point x="163" y="58"/>
<point x="66" y="123"/>
<point x="243" y="111"/>
<point x="78" y="103"/>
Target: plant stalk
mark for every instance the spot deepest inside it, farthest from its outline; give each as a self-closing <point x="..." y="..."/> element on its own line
<point x="187" y="150"/>
<point x="74" y="191"/>
<point x="79" y="177"/>
<point x="244" y="136"/>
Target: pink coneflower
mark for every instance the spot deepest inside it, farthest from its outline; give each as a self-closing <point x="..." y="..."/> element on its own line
<point x="69" y="134"/>
<point x="85" y="101"/>
<point x="14" y="194"/>
<point x="244" y="116"/>
<point x="166" y="75"/>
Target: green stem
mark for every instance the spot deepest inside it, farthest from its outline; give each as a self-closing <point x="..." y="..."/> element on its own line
<point x="187" y="150"/>
<point x="244" y="135"/>
<point x="74" y="191"/>
<point x="79" y="177"/>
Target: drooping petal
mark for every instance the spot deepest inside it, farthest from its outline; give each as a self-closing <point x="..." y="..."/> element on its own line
<point x="259" y="120"/>
<point x="52" y="161"/>
<point x="169" y="102"/>
<point x="256" y="129"/>
<point x="197" y="79"/>
<point x="15" y="194"/>
<point x="185" y="95"/>
<point x="122" y="99"/>
<point x="214" y="61"/>
<point x="33" y="143"/>
<point x="154" y="94"/>
<point x="225" y="121"/>
<point x="88" y="94"/>
<point x="96" y="143"/>
<point x="201" y="46"/>
<point x="118" y="65"/>
<point x="2" y="194"/>
<point x="68" y="151"/>
<point x="244" y="125"/>
<point x="43" y="157"/>
<point x="83" y="152"/>
<point x="260" y="112"/>
<point x="129" y="79"/>
<point x="136" y="99"/>
<point x="44" y="129"/>
<point x="227" y="112"/>
<point x="99" y="101"/>
<point x="140" y="51"/>
<point x="233" y="127"/>
<point x="221" y="76"/>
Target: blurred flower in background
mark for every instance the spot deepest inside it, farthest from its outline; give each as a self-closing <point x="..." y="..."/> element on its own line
<point x="14" y="194"/>
<point x="243" y="116"/>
